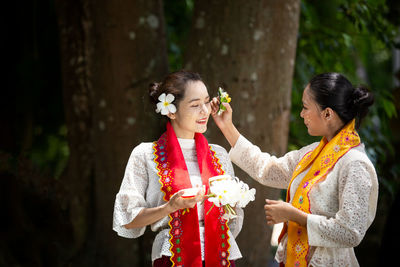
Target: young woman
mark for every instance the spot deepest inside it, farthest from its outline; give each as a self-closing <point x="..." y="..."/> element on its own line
<point x="154" y="188"/>
<point x="332" y="188"/>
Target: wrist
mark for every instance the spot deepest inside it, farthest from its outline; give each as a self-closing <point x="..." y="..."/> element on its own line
<point x="298" y="216"/>
<point x="231" y="134"/>
<point x="168" y="208"/>
<point x="228" y="126"/>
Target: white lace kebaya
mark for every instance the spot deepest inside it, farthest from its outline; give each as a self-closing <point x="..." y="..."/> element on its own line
<point x="140" y="189"/>
<point x="343" y="205"/>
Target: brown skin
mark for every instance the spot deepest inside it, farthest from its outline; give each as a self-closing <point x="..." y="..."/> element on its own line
<point x="319" y="122"/>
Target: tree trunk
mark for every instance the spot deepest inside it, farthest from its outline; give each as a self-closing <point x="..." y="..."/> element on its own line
<point x="73" y="28"/>
<point x="111" y="51"/>
<point x="248" y="47"/>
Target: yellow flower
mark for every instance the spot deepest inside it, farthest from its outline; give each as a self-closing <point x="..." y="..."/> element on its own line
<point x="223" y="98"/>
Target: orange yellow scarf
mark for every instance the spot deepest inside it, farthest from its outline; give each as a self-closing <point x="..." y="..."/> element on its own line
<point x="322" y="159"/>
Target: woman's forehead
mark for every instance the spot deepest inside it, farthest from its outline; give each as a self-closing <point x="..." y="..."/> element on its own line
<point x="306" y="95"/>
<point x="196" y="90"/>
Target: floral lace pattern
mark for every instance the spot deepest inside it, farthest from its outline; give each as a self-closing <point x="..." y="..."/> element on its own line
<point x="140" y="188"/>
<point x="343" y="205"/>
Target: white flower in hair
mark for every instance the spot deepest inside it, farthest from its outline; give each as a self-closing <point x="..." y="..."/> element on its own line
<point x="165" y="106"/>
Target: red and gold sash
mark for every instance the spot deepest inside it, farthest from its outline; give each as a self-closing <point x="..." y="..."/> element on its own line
<point x="184" y="226"/>
<point x="322" y="159"/>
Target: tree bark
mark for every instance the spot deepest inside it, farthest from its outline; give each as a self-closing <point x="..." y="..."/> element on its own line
<point x="111" y="51"/>
<point x="248" y="47"/>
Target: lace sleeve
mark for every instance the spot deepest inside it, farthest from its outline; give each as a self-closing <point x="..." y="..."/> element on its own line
<point x="235" y="225"/>
<point x="130" y="198"/>
<point x="356" y="201"/>
<point x="264" y="168"/>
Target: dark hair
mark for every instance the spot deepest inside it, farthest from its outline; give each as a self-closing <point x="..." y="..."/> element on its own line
<point x="333" y="90"/>
<point x="174" y="83"/>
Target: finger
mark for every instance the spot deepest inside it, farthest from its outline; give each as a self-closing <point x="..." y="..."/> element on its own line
<point x="179" y="193"/>
<point x="198" y="198"/>
<point x="267" y="207"/>
<point x="270" y="218"/>
<point x="214" y="109"/>
<point x="203" y="191"/>
<point x="215" y="102"/>
<point x="200" y="192"/>
<point x="270" y="201"/>
<point x="228" y="107"/>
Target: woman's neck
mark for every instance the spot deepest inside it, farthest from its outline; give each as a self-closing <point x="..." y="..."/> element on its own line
<point x="181" y="133"/>
<point x="334" y="129"/>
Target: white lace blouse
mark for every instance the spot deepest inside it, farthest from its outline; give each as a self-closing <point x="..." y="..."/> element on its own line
<point x="140" y="189"/>
<point x="343" y="205"/>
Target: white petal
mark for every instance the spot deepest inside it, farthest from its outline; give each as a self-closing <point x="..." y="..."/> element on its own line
<point x="170" y="98"/>
<point x="171" y="108"/>
<point x="160" y="105"/>
<point x="162" y="97"/>
<point x="214" y="200"/>
<point x="164" y="110"/>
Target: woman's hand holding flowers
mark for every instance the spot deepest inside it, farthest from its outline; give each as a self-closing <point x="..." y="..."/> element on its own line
<point x="221" y="111"/>
<point x="224" y="120"/>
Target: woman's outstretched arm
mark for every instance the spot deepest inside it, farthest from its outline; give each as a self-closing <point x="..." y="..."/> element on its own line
<point x="150" y="215"/>
<point x="261" y="166"/>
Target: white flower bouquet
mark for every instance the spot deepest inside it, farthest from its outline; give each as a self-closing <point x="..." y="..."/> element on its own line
<point x="229" y="193"/>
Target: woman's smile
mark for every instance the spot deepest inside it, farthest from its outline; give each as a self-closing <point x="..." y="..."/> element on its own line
<point x="202" y="121"/>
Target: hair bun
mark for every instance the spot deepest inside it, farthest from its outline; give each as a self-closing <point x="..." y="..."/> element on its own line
<point x="153" y="91"/>
<point x="362" y="100"/>
<point x="362" y="97"/>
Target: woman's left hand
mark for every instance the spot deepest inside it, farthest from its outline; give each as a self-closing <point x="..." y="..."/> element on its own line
<point x="277" y="211"/>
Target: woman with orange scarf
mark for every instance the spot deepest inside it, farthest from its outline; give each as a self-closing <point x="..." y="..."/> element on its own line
<point x="332" y="187"/>
<point x="165" y="183"/>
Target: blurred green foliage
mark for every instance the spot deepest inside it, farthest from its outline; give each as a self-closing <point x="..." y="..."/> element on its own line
<point x="178" y="17"/>
<point x="52" y="152"/>
<point x="355" y="38"/>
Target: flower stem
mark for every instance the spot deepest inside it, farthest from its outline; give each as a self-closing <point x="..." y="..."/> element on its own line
<point x="231" y="210"/>
<point x="210" y="209"/>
